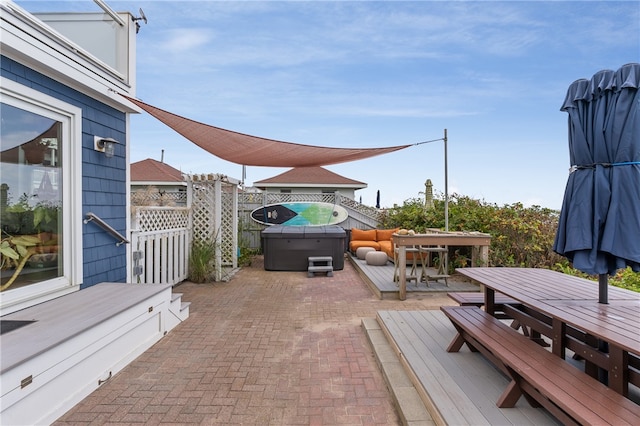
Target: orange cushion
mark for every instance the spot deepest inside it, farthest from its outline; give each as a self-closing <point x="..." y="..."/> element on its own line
<point x="362" y="235"/>
<point x="386" y="247"/>
<point x="385" y="234"/>
<point x="355" y="245"/>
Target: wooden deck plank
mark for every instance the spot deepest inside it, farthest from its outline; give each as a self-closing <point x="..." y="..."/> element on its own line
<point x="452" y="403"/>
<point x="481" y="381"/>
<point x="480" y="387"/>
<point x="476" y="376"/>
<point x="463" y="387"/>
<point x="63" y="318"/>
<point x="380" y="280"/>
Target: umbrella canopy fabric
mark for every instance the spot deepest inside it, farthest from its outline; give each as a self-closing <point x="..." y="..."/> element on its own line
<point x="599" y="224"/>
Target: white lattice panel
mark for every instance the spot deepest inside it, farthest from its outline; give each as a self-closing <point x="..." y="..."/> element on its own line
<point x="167" y="198"/>
<point x="161" y="218"/>
<point x="202" y="210"/>
<point x="215" y="216"/>
<point x="163" y="235"/>
<point x="229" y="217"/>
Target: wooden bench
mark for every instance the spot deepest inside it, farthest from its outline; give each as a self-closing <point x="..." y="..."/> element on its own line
<point x="472" y="298"/>
<point x="545" y="379"/>
<point x="535" y="325"/>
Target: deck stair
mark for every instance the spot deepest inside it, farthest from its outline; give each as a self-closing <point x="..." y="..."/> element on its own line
<point x="455" y="390"/>
<point x="320" y="264"/>
<point x="178" y="310"/>
<point x="75" y="343"/>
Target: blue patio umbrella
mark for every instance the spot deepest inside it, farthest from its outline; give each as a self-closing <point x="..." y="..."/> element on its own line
<point x="599" y="224"/>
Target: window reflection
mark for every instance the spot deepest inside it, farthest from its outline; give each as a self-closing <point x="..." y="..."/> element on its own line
<point x="30" y="198"/>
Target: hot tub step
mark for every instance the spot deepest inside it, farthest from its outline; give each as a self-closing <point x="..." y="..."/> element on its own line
<point x="313" y="269"/>
<point x="327" y="260"/>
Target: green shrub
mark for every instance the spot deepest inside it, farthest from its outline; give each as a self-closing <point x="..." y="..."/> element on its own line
<point x="626" y="278"/>
<point x="202" y="261"/>
<point x="520" y="236"/>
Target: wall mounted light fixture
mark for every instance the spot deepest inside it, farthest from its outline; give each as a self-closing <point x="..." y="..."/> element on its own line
<point x="106" y="145"/>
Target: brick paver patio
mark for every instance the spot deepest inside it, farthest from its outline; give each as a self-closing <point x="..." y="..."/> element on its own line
<point x="266" y="348"/>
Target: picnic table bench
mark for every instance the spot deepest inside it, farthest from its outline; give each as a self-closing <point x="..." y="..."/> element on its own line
<point x="472" y="298"/>
<point x="565" y="309"/>
<point x="545" y="379"/>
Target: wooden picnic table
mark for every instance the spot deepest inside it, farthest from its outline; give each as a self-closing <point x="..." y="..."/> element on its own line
<point x="566" y="309"/>
<point x="478" y="241"/>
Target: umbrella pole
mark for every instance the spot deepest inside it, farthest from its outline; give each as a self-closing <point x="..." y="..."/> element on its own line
<point x="603" y="297"/>
<point x="603" y="282"/>
<point x="603" y="292"/>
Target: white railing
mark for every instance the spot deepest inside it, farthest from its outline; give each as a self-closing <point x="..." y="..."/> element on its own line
<point x="161" y="244"/>
<point x="164" y="258"/>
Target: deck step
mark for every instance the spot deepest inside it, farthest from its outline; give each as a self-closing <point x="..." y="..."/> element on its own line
<point x="76" y="342"/>
<point x="179" y="310"/>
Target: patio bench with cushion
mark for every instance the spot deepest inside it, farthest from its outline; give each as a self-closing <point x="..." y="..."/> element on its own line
<point x="545" y="379"/>
<point x="379" y="239"/>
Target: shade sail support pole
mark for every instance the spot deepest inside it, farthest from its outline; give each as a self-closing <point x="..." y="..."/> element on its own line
<point x="446" y="184"/>
<point x="446" y="178"/>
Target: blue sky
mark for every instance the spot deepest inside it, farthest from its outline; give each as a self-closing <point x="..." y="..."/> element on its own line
<point x="374" y="74"/>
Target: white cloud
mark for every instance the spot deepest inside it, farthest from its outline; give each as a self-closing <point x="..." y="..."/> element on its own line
<point x="180" y="40"/>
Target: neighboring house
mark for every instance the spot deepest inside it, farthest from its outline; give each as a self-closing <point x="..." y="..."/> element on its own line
<point x="311" y="180"/>
<point x="64" y="166"/>
<point x="158" y="180"/>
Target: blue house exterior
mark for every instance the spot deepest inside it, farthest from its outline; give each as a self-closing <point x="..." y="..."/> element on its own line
<point x="64" y="213"/>
<point x="40" y="65"/>
<point x="104" y="183"/>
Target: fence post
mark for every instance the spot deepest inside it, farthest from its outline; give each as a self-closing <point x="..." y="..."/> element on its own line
<point x="217" y="226"/>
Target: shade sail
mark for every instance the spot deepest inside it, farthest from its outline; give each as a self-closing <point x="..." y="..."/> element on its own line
<point x="250" y="150"/>
<point x="599" y="224"/>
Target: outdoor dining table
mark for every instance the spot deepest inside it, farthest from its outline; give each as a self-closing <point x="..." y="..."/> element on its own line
<point x="606" y="336"/>
<point x="478" y="241"/>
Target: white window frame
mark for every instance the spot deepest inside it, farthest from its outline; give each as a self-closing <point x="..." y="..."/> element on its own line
<point x="23" y="97"/>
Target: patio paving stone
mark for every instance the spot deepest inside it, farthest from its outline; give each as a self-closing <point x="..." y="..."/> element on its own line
<point x="265" y="348"/>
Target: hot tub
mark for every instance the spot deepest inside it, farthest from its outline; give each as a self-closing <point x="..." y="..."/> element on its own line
<point x="287" y="248"/>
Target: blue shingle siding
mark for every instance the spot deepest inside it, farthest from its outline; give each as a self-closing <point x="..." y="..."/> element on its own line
<point x="103" y="179"/>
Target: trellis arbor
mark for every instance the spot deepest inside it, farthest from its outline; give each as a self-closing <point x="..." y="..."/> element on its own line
<point x="162" y="236"/>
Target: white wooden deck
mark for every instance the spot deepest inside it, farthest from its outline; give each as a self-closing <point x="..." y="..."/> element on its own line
<point x="76" y="342"/>
<point x="457" y="388"/>
<point x="61" y="319"/>
<point x="380" y="281"/>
